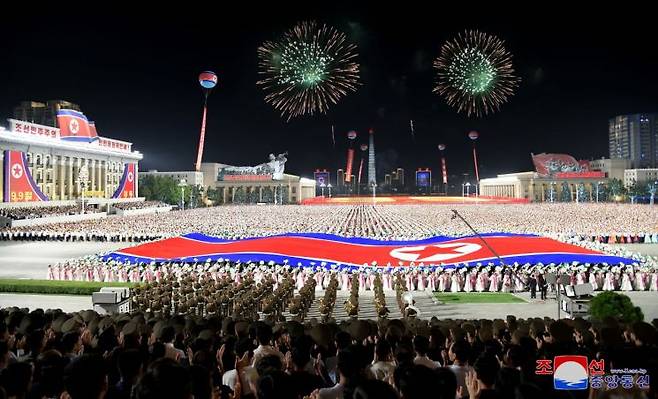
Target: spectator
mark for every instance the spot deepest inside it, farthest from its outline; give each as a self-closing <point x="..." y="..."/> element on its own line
<point x="382" y="367"/>
<point x="265" y="348"/>
<point x="86" y="378"/>
<point x="459" y="354"/>
<point x="17" y="380"/>
<point x="130" y="370"/>
<point x="164" y="378"/>
<point x="421" y="346"/>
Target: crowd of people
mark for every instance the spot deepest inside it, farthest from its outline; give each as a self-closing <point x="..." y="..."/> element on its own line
<point x="217" y="329"/>
<point x="34" y="212"/>
<point x="608" y="223"/>
<point x="144" y="355"/>
<point x="127" y="206"/>
<point x="479" y="278"/>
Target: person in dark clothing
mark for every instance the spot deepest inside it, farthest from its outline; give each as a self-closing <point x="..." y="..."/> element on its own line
<point x="164" y="378"/>
<point x="532" y="284"/>
<point x="302" y="382"/>
<point x="130" y="369"/>
<point x="86" y="378"/>
<point x="543" y="286"/>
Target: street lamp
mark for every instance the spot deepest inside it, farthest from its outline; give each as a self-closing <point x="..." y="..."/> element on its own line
<point x="329" y="187"/>
<point x="322" y="186"/>
<point x="182" y="183"/>
<point x="652" y="191"/>
<point x="598" y="184"/>
<point x="83" y="180"/>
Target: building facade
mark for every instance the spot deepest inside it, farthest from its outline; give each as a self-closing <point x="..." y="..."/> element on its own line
<point x="256" y="187"/>
<point x="531" y="186"/>
<point x="632" y="176"/>
<point x="42" y="113"/>
<point x="38" y="165"/>
<point x="635" y="137"/>
<point x="613" y="168"/>
<point x="191" y="178"/>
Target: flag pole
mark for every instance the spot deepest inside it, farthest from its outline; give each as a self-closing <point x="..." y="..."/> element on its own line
<point x="456" y="214"/>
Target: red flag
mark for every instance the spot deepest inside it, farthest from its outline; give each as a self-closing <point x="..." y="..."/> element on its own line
<point x="92" y="130"/>
<point x="73" y="125"/>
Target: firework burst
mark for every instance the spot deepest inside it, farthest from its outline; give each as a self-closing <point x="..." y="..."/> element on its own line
<point x="310" y="68"/>
<point x="475" y="73"/>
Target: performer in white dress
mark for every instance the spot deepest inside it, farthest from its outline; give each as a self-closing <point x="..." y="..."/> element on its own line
<point x="626" y="283"/>
<point x="592" y="281"/>
<point x="455" y="286"/>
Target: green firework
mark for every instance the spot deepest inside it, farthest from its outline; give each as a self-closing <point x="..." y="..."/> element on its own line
<point x="475" y="73"/>
<point x="311" y="67"/>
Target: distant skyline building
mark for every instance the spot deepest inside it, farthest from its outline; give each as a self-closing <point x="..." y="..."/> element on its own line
<point x="42" y="113"/>
<point x="372" y="171"/>
<point x="634" y="137"/>
<point x="191" y="178"/>
<point x="640" y="176"/>
<point x="340" y="179"/>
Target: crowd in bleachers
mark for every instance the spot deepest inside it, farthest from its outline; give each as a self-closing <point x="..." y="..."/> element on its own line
<point x="147" y="355"/>
<point x="127" y="206"/>
<point x="34" y="212"/>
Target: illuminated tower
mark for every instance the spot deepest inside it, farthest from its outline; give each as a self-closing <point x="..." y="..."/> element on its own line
<point x="372" y="176"/>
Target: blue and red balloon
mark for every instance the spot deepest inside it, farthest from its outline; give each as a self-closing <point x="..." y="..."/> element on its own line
<point x="208" y="79"/>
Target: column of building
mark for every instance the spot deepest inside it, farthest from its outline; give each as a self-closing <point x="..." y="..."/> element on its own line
<point x="69" y="177"/>
<point x="61" y="175"/>
<point x="76" y="175"/>
<point x="91" y="180"/>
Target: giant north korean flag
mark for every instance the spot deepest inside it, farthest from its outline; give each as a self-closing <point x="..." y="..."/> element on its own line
<point x="313" y="249"/>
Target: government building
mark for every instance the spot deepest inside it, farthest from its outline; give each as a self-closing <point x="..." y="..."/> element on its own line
<point x="61" y="157"/>
<point x="556" y="176"/>
<point x="257" y="187"/>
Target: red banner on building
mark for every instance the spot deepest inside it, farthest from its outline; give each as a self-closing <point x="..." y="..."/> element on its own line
<point x="127" y="184"/>
<point x="246" y="177"/>
<point x="348" y="168"/>
<point x="19" y="186"/>
<point x="580" y="175"/>
<point x="553" y="164"/>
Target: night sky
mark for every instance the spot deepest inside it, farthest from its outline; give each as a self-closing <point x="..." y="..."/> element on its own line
<point x="136" y="76"/>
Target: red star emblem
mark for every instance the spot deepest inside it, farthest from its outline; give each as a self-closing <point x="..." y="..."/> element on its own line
<point x="436" y="252"/>
<point x="17" y="171"/>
